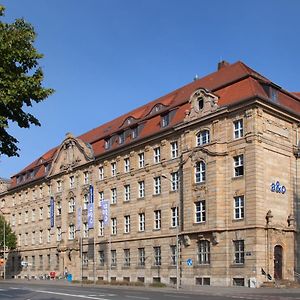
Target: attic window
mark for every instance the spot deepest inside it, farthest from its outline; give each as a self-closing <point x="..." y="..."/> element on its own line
<point x="31" y="173"/>
<point x="47" y="168"/>
<point x="200" y="103"/>
<point x="122" y="138"/>
<point x="134" y="132"/>
<point x="165" y="120"/>
<point x="107" y="143"/>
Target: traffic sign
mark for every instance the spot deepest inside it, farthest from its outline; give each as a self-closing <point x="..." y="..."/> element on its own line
<point x="189" y="262"/>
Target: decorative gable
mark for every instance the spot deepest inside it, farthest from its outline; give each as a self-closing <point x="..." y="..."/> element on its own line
<point x="202" y="103"/>
<point x="72" y="152"/>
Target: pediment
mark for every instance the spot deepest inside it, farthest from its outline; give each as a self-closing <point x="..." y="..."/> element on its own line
<point x="72" y="153"/>
<point x="202" y="103"/>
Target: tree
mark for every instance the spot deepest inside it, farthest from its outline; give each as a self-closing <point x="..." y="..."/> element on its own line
<point x="10" y="237"/>
<point x="20" y="80"/>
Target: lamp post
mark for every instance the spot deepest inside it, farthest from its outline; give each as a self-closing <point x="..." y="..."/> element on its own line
<point x="4" y="245"/>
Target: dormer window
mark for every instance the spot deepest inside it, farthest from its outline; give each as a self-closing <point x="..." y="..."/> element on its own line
<point x="200" y="103"/>
<point x="107" y="143"/>
<point x="165" y="120"/>
<point x="47" y="168"/>
<point x="122" y="138"/>
<point x="134" y="132"/>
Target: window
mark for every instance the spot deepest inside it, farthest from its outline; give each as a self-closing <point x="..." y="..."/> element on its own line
<point x="121" y="137"/>
<point x="41" y="213"/>
<point x="141" y="160"/>
<point x="33" y="194"/>
<point x="48" y="261"/>
<point x="26" y="216"/>
<point x="157" y="185"/>
<point x="126" y="257"/>
<point x="200" y="103"/>
<point x="58" y="186"/>
<point x="49" y="189"/>
<point x="238" y="165"/>
<point x="203" y="137"/>
<point x="101" y="173"/>
<point x="101" y="228"/>
<point x="239" y="207"/>
<point x="13" y="220"/>
<point x="203" y="254"/>
<point x="72" y="182"/>
<point x="113" y="169"/>
<point x="156" y="153"/>
<point x="33" y="215"/>
<point x="107" y="143"/>
<point x="141" y="258"/>
<point x="113" y="192"/>
<point x="41" y="192"/>
<point x="26" y="239"/>
<point x="85" y="201"/>
<point x="20" y="218"/>
<point x="126" y="224"/>
<point x="48" y="211"/>
<point x="157" y="256"/>
<point x="86" y="177"/>
<point x="58" y="208"/>
<point x="101" y="258"/>
<point x="113" y="226"/>
<point x="113" y="258"/>
<point x="71" y="232"/>
<point x="142" y="222"/>
<point x="71" y="205"/>
<point x="101" y="197"/>
<point x="134" y="132"/>
<point x="85" y="259"/>
<point x="157" y="219"/>
<point x="238" y="130"/>
<point x="239" y="254"/>
<point x="174" y="181"/>
<point x="173" y="255"/>
<point x="174" y="217"/>
<point x="174" y="150"/>
<point x="126" y="192"/>
<point x="126" y="165"/>
<point x="141" y="189"/>
<point x="58" y="234"/>
<point x="85" y="230"/>
<point x="33" y="261"/>
<point x="165" y="120"/>
<point x="41" y="237"/>
<point x="200" y="170"/>
<point x="200" y="211"/>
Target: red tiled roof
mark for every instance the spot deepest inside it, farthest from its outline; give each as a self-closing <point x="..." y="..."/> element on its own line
<point x="231" y="83"/>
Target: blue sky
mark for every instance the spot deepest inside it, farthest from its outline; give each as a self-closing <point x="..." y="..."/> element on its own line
<point x="107" y="57"/>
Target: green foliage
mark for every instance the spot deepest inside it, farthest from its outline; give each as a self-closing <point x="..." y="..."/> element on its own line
<point x="20" y="80"/>
<point x="10" y="237"/>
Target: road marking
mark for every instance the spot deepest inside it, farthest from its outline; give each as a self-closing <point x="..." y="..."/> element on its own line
<point x="70" y="295"/>
<point x="175" y="296"/>
<point x="14" y="288"/>
<point x="136" y="297"/>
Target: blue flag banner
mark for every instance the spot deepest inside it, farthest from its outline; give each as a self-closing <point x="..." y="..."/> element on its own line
<point x="79" y="218"/>
<point x="51" y="212"/>
<point x="91" y="200"/>
<point x="105" y="211"/>
<point x="91" y="215"/>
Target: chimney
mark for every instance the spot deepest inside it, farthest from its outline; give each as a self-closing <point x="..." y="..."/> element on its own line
<point x="222" y="64"/>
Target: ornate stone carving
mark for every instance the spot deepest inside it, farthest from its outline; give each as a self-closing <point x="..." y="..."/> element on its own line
<point x="202" y="103"/>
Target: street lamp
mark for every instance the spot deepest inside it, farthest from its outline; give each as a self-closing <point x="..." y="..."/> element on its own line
<point x="177" y="233"/>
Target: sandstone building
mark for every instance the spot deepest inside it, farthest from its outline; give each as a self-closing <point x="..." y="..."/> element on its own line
<point x="214" y="163"/>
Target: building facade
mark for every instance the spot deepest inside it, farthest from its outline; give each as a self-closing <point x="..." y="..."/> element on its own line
<point x="202" y="185"/>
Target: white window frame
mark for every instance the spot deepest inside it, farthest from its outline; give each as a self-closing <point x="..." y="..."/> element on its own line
<point x="141" y="189"/>
<point x="101" y="197"/>
<point x="156" y="155"/>
<point x="113" y="226"/>
<point x="71" y="232"/>
<point x="85" y="177"/>
<point x="157" y="185"/>
<point x="85" y="201"/>
<point x="238" y="162"/>
<point x="58" y="234"/>
<point x="200" y="171"/>
<point x="101" y="173"/>
<point x="238" y="129"/>
<point x="71" y="205"/>
<point x="126" y="224"/>
<point x="239" y="207"/>
<point x="101" y="228"/>
<point x="127" y="192"/>
<point x="141" y="222"/>
<point x="157" y="219"/>
<point x="174" y="217"/>
<point x="174" y="181"/>
<point x="203" y="137"/>
<point x="200" y="211"/>
<point x="203" y="252"/>
<point x="174" y="149"/>
<point x="126" y="165"/>
<point x="157" y="255"/>
<point x="113" y="193"/>
<point x="113" y="169"/>
<point x="141" y="160"/>
<point x="85" y="229"/>
<point x="72" y="181"/>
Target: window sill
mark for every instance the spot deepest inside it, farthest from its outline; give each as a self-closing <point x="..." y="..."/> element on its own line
<point x="237" y="177"/>
<point x="241" y="265"/>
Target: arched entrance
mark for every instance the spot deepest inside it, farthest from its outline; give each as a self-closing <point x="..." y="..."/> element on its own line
<point x="278" y="262"/>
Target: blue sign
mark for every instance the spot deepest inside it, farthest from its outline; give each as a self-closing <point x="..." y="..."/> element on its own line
<point x="79" y="218"/>
<point x="189" y="262"/>
<point x="91" y="208"/>
<point x="105" y="211"/>
<point x="278" y="188"/>
<point x="51" y="212"/>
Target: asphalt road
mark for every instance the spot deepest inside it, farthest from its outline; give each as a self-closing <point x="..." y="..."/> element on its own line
<point x="41" y="291"/>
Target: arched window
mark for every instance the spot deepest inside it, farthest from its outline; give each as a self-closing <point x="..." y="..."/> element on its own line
<point x="71" y="205"/>
<point x="200" y="169"/>
<point x="203" y="138"/>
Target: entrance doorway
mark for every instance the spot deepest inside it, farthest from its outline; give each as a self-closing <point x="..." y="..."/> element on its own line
<point x="278" y="262"/>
